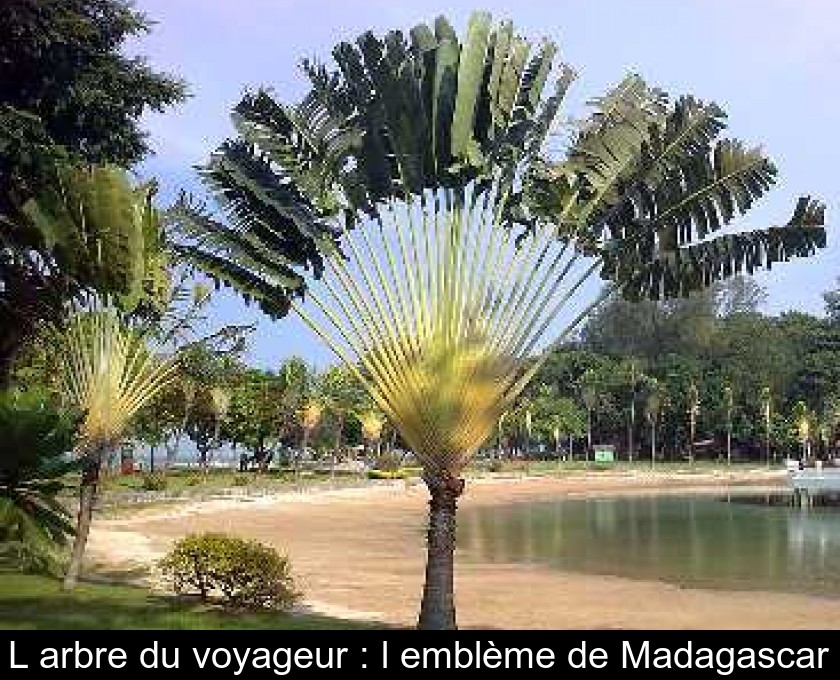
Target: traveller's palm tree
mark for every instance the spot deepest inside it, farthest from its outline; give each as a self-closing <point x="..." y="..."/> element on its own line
<point x="109" y="373"/>
<point x="412" y="184"/>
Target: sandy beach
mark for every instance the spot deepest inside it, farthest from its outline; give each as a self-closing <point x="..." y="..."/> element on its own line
<point x="360" y="553"/>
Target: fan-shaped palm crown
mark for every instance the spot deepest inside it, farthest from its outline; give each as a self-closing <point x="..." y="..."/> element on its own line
<point x="413" y="184"/>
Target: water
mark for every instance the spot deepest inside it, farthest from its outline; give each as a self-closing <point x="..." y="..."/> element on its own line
<point x="698" y="541"/>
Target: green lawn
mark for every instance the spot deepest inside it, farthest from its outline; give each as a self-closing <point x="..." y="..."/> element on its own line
<point x="37" y="602"/>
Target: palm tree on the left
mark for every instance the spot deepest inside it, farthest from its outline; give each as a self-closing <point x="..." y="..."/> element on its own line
<point x="107" y="371"/>
<point x="109" y="374"/>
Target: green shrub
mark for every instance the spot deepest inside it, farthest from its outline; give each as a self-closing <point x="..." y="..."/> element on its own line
<point x="154" y="481"/>
<point x="192" y="479"/>
<point x="387" y="474"/>
<point x="34" y="438"/>
<point x="495" y="465"/>
<point x="244" y="573"/>
<point x="241" y="479"/>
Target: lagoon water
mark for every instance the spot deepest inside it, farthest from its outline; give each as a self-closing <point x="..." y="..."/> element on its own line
<point x="698" y="541"/>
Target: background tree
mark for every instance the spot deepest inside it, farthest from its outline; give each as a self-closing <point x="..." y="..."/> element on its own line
<point x="255" y="420"/>
<point x="766" y="409"/>
<point x="341" y="395"/>
<point x="739" y="295"/>
<point x="693" y="406"/>
<point x="372" y="423"/>
<point x="729" y="403"/>
<point x="654" y="404"/>
<point x="220" y="405"/>
<point x="68" y="95"/>
<point x="310" y="418"/>
<point x="97" y="233"/>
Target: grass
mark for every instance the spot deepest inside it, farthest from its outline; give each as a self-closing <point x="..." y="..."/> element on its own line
<point x="30" y="602"/>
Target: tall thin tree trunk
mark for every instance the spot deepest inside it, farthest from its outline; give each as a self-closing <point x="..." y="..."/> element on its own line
<point x="303" y="445"/>
<point x="588" y="433"/>
<point x="729" y="443"/>
<point x="437" y="609"/>
<point x="152" y="458"/>
<point x="691" y="434"/>
<point x="339" y="431"/>
<point x="87" y="500"/>
<point x="652" y="444"/>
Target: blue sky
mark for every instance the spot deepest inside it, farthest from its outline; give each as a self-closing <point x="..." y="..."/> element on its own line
<point x="774" y="66"/>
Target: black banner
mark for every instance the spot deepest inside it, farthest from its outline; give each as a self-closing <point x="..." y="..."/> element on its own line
<point x="249" y="654"/>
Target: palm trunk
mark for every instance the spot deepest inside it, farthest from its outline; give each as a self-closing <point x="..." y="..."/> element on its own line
<point x="303" y="445"/>
<point x="729" y="443"/>
<point x="653" y="444"/>
<point x="87" y="499"/>
<point x="437" y="609"/>
<point x="339" y="431"/>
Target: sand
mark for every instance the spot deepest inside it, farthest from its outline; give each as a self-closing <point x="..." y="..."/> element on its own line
<point x="359" y="553"/>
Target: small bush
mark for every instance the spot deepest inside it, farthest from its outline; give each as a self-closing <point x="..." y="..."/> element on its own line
<point x="241" y="479"/>
<point x="387" y="474"/>
<point x="192" y="479"/>
<point x="495" y="465"/>
<point x="154" y="481"/>
<point x="244" y="573"/>
<point x="388" y="461"/>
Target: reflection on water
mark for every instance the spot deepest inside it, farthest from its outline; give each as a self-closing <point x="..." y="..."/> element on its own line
<point x="700" y="541"/>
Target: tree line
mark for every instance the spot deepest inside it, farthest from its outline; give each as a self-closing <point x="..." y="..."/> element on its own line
<point x="709" y="375"/>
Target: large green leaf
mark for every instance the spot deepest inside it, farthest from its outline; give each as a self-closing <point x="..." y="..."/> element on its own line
<point x="103" y="232"/>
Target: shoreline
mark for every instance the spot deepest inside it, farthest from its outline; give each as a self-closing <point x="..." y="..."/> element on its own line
<point x="358" y="553"/>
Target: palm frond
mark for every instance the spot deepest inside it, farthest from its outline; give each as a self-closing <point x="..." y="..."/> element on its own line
<point x="109" y="373"/>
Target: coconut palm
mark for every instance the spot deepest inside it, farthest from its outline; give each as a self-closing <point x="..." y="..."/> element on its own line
<point x="591" y="395"/>
<point x="500" y="426"/>
<point x="766" y="409"/>
<point x="802" y="419"/>
<point x="411" y="197"/>
<point x="372" y="422"/>
<point x="728" y="403"/>
<point x="654" y="404"/>
<point x="310" y="417"/>
<point x="631" y="424"/>
<point x="219" y="406"/>
<point x="108" y="373"/>
<point x="693" y="409"/>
